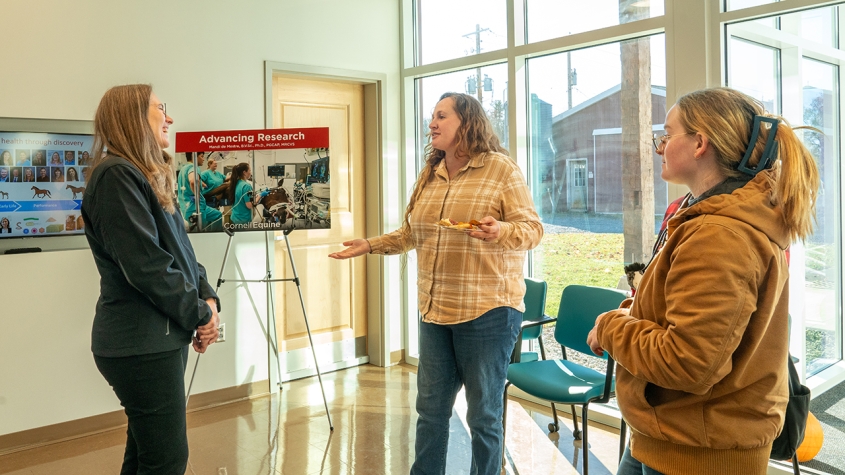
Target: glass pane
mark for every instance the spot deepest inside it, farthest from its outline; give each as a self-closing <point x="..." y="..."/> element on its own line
<point x="740" y="4"/>
<point x="447" y="29"/>
<point x="821" y="251"/>
<point x="547" y="19"/>
<point x="578" y="150"/>
<point x="492" y="90"/>
<point x="489" y="84"/>
<point x="413" y="323"/>
<point x="586" y="163"/>
<point x="817" y="25"/>
<point x="753" y="69"/>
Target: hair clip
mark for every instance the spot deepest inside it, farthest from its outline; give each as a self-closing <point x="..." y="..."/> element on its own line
<point x="770" y="152"/>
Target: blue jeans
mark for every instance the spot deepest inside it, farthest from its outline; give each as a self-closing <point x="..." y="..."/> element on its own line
<point x="473" y="354"/>
<point x="630" y="466"/>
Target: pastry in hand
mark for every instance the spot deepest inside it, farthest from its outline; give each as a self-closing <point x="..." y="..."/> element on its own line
<point x="452" y="224"/>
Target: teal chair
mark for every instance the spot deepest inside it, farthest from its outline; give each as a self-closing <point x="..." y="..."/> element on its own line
<point x="534" y="318"/>
<point x="533" y="321"/>
<point x="563" y="381"/>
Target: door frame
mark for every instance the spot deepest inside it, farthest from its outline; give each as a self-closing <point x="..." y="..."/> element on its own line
<point x="375" y="143"/>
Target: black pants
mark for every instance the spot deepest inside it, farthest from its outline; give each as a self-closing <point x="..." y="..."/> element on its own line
<point x="151" y="389"/>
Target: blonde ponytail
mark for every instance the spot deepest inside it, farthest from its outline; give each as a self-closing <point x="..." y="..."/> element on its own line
<point x="796" y="184"/>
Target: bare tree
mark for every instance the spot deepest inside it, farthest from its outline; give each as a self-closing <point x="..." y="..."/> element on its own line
<point x="814" y="116"/>
<point x="496" y="114"/>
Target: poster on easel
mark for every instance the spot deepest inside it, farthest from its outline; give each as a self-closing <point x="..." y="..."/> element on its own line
<point x="254" y="180"/>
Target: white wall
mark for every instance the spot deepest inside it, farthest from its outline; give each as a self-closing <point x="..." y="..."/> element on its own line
<point x="205" y="59"/>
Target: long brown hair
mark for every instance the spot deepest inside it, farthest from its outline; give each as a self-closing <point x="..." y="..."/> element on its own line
<point x="726" y="117"/>
<point x="475" y="136"/>
<point x="121" y="129"/>
<point x="237" y="174"/>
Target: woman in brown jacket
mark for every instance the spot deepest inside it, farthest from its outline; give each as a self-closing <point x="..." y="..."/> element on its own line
<point x="702" y="349"/>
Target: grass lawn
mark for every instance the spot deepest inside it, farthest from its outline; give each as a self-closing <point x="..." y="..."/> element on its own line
<point x="576" y="258"/>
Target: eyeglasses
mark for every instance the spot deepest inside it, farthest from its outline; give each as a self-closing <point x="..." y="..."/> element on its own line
<point x="162" y="107"/>
<point x="660" y="142"/>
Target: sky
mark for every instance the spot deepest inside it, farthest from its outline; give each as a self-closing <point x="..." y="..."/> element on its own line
<point x="449" y="26"/>
<point x="452" y="34"/>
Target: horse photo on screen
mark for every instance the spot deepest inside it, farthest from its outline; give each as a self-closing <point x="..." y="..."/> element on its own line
<point x="76" y="190"/>
<point x="41" y="193"/>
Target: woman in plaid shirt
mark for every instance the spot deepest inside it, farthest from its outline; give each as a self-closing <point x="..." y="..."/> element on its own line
<point x="470" y="282"/>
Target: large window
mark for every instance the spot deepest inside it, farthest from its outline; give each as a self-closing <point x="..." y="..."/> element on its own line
<point x="576" y="90"/>
<point x="594" y="175"/>
<point x="792" y="65"/>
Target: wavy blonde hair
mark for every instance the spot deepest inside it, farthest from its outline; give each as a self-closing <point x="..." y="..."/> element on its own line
<point x="725" y="116"/>
<point x="474" y="136"/>
<point x="121" y="129"/>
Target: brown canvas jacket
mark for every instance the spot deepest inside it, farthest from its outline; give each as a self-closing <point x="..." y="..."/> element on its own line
<point x="702" y="351"/>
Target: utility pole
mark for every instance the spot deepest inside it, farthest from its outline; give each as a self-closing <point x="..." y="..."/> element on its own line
<point x="569" y="79"/>
<point x="479" y="85"/>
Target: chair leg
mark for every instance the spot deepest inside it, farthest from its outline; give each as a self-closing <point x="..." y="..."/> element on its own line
<point x="505" y="422"/>
<point x="585" y="449"/>
<point x="575" y="432"/>
<point x="622" y="433"/>
<point x="795" y="469"/>
<point x="554" y="426"/>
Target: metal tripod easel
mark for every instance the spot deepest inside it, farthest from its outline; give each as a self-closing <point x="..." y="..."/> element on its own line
<point x="271" y="313"/>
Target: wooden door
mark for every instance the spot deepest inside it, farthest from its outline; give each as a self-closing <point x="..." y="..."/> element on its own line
<point x="334" y="291"/>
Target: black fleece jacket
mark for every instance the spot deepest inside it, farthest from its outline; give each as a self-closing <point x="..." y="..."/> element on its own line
<point x="152" y="289"/>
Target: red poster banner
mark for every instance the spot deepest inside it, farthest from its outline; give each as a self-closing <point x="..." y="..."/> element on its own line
<point x="261" y="139"/>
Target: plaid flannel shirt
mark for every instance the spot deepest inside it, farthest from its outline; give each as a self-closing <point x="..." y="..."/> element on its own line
<point x="461" y="278"/>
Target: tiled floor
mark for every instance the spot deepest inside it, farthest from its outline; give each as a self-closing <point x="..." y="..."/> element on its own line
<point x="373" y="417"/>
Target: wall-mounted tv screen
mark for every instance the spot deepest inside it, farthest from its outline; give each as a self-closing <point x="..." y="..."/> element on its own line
<point x="42" y="177"/>
<point x="254" y="180"/>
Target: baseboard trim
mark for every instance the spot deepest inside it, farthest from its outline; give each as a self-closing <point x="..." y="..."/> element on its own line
<point x="54" y="433"/>
<point x="325" y="368"/>
<point x="40" y="436"/>
<point x="229" y="395"/>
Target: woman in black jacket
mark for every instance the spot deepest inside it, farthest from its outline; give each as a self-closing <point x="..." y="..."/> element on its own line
<point x="155" y="298"/>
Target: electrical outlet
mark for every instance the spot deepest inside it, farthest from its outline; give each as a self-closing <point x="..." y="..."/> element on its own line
<point x="222" y="471"/>
<point x="222" y="329"/>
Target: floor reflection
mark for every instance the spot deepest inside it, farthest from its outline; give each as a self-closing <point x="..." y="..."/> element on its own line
<point x="288" y="433"/>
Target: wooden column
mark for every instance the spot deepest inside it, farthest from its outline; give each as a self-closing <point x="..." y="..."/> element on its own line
<point x="637" y="159"/>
